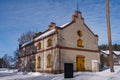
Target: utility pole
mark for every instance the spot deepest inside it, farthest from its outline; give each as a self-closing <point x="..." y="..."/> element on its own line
<point x="109" y="36"/>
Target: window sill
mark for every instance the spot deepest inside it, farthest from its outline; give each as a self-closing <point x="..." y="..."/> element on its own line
<point x="49" y="66"/>
<point x="80" y="46"/>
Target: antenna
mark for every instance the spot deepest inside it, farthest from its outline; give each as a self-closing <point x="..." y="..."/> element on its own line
<point x="77" y="5"/>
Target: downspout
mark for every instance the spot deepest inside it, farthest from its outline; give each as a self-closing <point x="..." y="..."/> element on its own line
<point x="43" y="54"/>
<point x="59" y="53"/>
<point x="53" y="57"/>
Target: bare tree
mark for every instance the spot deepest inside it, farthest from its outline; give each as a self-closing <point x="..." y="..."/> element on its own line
<point x="16" y="58"/>
<point x="25" y="37"/>
<point x="8" y="61"/>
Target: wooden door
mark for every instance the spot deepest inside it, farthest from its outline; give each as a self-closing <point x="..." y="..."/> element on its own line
<point x="80" y="63"/>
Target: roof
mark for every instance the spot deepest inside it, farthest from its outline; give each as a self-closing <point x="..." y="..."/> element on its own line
<point x="107" y="52"/>
<point x="65" y="24"/>
<point x="49" y="32"/>
<point x="45" y="34"/>
<point x="117" y="52"/>
<point x="27" y="43"/>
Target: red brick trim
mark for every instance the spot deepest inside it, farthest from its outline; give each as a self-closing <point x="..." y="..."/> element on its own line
<point x="69" y="48"/>
<point x="78" y="49"/>
<point x="80" y="56"/>
<point x="62" y="47"/>
<point x="50" y="71"/>
<point x="39" y="52"/>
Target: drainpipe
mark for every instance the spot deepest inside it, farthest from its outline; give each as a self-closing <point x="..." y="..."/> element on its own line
<point x="59" y="52"/>
<point x="52" y="58"/>
<point x="43" y="54"/>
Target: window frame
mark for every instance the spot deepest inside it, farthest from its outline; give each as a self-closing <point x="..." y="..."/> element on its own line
<point x="39" y="46"/>
<point x="39" y="62"/>
<point x="49" y="42"/>
<point x="49" y="61"/>
<point x="79" y="33"/>
<point x="79" y="43"/>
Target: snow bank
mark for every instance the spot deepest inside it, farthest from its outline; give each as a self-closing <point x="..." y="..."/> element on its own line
<point x="35" y="73"/>
<point x="103" y="75"/>
<point x="30" y="73"/>
<point x="3" y="69"/>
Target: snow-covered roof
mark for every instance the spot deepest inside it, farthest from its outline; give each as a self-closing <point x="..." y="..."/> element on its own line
<point x="64" y="24"/>
<point x="107" y="52"/>
<point x="40" y="37"/>
<point x="117" y="52"/>
<point x="27" y="43"/>
<point x="45" y="34"/>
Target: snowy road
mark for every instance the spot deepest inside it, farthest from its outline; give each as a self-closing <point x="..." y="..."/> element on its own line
<point x="104" y="75"/>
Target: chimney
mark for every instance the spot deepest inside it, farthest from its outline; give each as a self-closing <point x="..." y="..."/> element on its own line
<point x="77" y="14"/>
<point x="73" y="18"/>
<point x="52" y="26"/>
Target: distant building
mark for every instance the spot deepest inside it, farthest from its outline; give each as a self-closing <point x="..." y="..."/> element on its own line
<point x="105" y="57"/>
<point x="2" y="63"/>
<point x="72" y="42"/>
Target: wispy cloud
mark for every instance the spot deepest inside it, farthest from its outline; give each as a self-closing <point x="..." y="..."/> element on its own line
<point x="17" y="17"/>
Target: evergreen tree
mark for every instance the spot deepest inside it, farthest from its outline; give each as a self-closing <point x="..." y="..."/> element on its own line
<point x="115" y="47"/>
<point x="103" y="47"/>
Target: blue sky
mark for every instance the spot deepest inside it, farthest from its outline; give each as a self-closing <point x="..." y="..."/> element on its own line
<point x="20" y="16"/>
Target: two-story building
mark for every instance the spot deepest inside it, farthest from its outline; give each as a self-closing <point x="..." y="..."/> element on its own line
<point x="72" y="42"/>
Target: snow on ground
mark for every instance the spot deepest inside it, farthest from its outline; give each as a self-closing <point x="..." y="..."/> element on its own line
<point x="6" y="74"/>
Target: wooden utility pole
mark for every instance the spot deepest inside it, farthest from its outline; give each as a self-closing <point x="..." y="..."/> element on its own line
<point x="109" y="36"/>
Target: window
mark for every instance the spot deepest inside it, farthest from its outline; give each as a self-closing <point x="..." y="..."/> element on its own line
<point x="79" y="43"/>
<point x="39" y="46"/>
<point x="49" y="42"/>
<point x="79" y="33"/>
<point x="49" y="60"/>
<point x="34" y="61"/>
<point x="39" y="62"/>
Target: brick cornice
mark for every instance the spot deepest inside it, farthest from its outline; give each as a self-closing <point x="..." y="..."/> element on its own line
<point x="62" y="47"/>
<point x="78" y="49"/>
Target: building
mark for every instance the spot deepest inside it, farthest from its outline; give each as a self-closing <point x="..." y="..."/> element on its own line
<point x="72" y="42"/>
<point x="2" y="63"/>
<point x="105" y="57"/>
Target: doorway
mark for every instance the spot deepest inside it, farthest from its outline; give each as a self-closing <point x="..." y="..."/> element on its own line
<point x="80" y="63"/>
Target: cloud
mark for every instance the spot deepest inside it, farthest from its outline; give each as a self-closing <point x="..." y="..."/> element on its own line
<point x="18" y="17"/>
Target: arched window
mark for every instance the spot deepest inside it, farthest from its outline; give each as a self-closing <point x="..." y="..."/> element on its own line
<point x="79" y="33"/>
<point x="79" y="43"/>
<point x="34" y="61"/>
<point x="49" y="60"/>
<point x="49" y="42"/>
<point x="39" y="62"/>
<point x="39" y="45"/>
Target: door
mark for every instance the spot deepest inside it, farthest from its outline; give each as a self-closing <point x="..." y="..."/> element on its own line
<point x="80" y="63"/>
